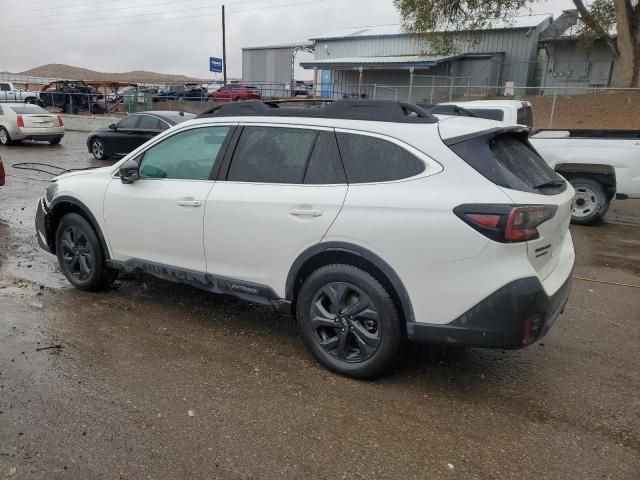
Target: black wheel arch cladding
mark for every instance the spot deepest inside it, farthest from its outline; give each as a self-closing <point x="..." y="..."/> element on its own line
<point x="341" y="252"/>
<point x="60" y="206"/>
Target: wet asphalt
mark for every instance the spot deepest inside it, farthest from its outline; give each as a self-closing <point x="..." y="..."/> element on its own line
<point x="153" y="380"/>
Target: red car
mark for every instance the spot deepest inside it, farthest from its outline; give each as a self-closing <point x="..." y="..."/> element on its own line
<point x="1" y="173"/>
<point x="235" y="92"/>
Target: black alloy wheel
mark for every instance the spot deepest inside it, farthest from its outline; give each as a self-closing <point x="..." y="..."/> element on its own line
<point x="77" y="253"/>
<point x="345" y="322"/>
<point x="349" y="321"/>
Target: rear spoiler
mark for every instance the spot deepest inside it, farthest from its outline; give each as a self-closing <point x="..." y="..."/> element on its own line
<point x="492" y="132"/>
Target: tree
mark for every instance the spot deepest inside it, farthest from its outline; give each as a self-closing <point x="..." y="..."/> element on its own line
<point x="615" y="22"/>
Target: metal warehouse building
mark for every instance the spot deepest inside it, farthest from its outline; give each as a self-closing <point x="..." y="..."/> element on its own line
<point x="385" y="62"/>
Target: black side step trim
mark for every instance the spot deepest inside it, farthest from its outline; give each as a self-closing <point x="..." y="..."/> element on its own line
<point x="248" y="291"/>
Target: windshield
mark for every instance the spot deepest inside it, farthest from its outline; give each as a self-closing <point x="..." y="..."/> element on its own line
<point x="28" y="110"/>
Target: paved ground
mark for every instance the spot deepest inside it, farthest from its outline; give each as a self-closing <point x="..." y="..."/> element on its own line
<point x="114" y="401"/>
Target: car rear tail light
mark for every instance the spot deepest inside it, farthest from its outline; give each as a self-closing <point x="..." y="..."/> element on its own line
<point x="20" y="121"/>
<point x="506" y="223"/>
<point x="2" y="176"/>
<point x="60" y="121"/>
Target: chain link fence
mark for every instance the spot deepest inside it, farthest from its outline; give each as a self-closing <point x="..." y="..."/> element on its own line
<point x="554" y="107"/>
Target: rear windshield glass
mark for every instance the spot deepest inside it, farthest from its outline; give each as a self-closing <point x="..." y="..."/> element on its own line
<point x="28" y="109"/>
<point x="525" y="116"/>
<point x="509" y="160"/>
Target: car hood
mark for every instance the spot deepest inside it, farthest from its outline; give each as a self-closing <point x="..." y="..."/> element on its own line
<point x="79" y="173"/>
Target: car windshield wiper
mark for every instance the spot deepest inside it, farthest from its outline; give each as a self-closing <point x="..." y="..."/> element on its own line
<point x="550" y="183"/>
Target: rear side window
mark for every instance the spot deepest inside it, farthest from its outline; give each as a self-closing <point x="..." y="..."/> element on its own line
<point x="525" y="116"/>
<point x="147" y="122"/>
<point x="509" y="160"/>
<point x="488" y="113"/>
<point x="129" y="122"/>
<point x="272" y="155"/>
<point x="324" y="161"/>
<point x="369" y="159"/>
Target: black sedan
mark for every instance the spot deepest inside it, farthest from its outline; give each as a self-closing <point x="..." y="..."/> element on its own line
<point x="131" y="132"/>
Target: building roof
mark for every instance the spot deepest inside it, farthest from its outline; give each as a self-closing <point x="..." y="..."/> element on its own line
<point x="530" y="21"/>
<point x="284" y="45"/>
<point x="400" y="61"/>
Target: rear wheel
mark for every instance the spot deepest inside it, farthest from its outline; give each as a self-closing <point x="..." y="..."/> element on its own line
<point x="31" y="100"/>
<point x="80" y="254"/>
<point x="5" y="139"/>
<point x="55" y="141"/>
<point x="349" y="321"/>
<point x="590" y="203"/>
<point x="97" y="149"/>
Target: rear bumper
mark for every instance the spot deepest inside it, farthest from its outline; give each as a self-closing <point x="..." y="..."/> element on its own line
<point x="513" y="317"/>
<point x="40" y="134"/>
<point x="43" y="227"/>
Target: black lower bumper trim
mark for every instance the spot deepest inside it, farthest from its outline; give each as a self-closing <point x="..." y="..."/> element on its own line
<point x="42" y="230"/>
<point x="513" y="317"/>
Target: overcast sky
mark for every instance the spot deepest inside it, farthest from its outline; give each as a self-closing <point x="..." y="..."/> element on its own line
<point x="175" y="36"/>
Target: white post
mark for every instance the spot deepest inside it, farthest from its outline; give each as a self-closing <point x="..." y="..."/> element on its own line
<point x="553" y="107"/>
<point x="411" y="69"/>
<point x="361" y="70"/>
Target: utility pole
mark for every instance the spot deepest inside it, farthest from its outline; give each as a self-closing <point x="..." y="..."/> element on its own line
<point x="224" y="48"/>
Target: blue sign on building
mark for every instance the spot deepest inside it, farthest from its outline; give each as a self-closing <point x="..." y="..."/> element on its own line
<point x="215" y="64"/>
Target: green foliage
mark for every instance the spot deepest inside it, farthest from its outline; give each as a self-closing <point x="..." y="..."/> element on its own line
<point x="437" y="19"/>
<point x="604" y="12"/>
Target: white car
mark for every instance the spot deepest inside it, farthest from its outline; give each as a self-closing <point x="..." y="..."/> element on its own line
<point x="600" y="164"/>
<point x="373" y="221"/>
<point x="508" y="111"/>
<point x="22" y="121"/>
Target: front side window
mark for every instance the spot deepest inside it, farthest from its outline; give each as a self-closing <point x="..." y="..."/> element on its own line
<point x="4" y="87"/>
<point x="272" y="155"/>
<point x="187" y="155"/>
<point x="129" y="122"/>
<point x="369" y="159"/>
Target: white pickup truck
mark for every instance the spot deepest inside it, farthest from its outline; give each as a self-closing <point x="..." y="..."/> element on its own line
<point x="10" y="94"/>
<point x="600" y="164"/>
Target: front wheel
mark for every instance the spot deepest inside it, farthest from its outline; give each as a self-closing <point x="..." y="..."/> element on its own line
<point x="97" y="149"/>
<point x="590" y="203"/>
<point x="349" y="322"/>
<point x="80" y="254"/>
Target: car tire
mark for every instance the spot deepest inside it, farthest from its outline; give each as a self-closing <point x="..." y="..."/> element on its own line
<point x="55" y="141"/>
<point x="98" y="150"/>
<point x="239" y="99"/>
<point x="31" y="100"/>
<point x="590" y="203"/>
<point x="80" y="254"/>
<point x="349" y="322"/>
<point x="5" y="138"/>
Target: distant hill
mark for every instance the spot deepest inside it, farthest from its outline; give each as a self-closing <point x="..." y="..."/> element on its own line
<point x="76" y="73"/>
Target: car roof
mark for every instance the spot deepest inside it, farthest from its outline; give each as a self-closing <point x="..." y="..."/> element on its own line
<point x="169" y="116"/>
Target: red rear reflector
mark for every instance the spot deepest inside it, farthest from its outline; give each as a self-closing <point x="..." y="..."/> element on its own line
<point x="20" y="121"/>
<point x="490" y="221"/>
<point x="2" y="176"/>
<point x="60" y="122"/>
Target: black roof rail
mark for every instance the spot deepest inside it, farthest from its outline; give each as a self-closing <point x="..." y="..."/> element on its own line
<point x="372" y="110"/>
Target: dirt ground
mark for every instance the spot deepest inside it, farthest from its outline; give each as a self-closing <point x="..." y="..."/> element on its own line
<point x="612" y="110"/>
<point x="158" y="381"/>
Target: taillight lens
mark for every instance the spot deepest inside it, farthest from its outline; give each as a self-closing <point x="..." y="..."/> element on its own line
<point x="20" y="121"/>
<point x="506" y="223"/>
<point x="2" y="176"/>
<point x="60" y="121"/>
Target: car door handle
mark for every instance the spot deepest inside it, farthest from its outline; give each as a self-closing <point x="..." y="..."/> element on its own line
<point x="305" y="212"/>
<point x="189" y="203"/>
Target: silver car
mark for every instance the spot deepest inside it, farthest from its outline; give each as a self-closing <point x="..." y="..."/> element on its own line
<point x="22" y="121"/>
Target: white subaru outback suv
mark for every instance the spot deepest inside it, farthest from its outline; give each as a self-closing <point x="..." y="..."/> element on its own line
<point x="375" y="222"/>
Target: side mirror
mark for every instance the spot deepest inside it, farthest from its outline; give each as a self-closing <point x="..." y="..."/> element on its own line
<point x="112" y="126"/>
<point x="129" y="171"/>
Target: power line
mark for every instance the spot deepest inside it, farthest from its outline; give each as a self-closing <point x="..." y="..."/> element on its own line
<point x="109" y="8"/>
<point x="163" y="12"/>
<point x="83" y="25"/>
